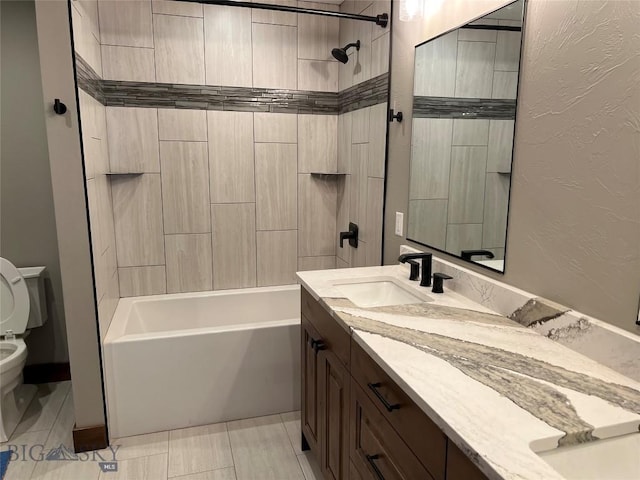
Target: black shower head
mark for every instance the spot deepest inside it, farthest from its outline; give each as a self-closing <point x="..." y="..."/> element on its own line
<point x="340" y="54"/>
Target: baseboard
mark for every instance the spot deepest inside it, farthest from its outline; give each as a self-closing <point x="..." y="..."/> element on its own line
<point x="90" y="438"/>
<point x="46" y="373"/>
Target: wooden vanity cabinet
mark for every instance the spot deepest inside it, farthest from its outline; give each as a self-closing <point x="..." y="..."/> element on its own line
<point x="326" y="383"/>
<point x="358" y="422"/>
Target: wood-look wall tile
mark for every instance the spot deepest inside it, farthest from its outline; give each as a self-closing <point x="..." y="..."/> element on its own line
<point x="234" y="245"/>
<point x="360" y="125"/>
<point x="317" y="207"/>
<point x="376" y="8"/>
<point x="358" y="185"/>
<point x="500" y="150"/>
<point x="342" y="216"/>
<point x="185" y="187"/>
<point x="359" y="255"/>
<point x="137" y="214"/>
<point x="341" y="263"/>
<point x="373" y="226"/>
<point x="133" y="139"/>
<point x="317" y="143"/>
<point x="477" y="35"/>
<point x="227" y="34"/>
<point x="463" y="236"/>
<point x="136" y="281"/>
<point x="474" y="73"/>
<point x="179" y="49"/>
<point x="171" y="7"/>
<point x="275" y="127"/>
<point x="274" y="17"/>
<point x="275" y="56"/>
<point x="130" y="64"/>
<point x="360" y="60"/>
<point x="276" y="186"/>
<point x="505" y="85"/>
<point x="108" y="304"/>
<point x="380" y="55"/>
<point x="377" y="139"/>
<point x="427" y="222"/>
<point x="318" y="75"/>
<point x="496" y="206"/>
<point x="277" y="257"/>
<point x="435" y="67"/>
<point x="185" y="125"/>
<point x="231" y="162"/>
<point x="508" y="51"/>
<point x="430" y="158"/>
<point x="344" y="142"/>
<point x="316" y="263"/>
<point x="126" y="23"/>
<point x="189" y="263"/>
<point x="317" y="35"/>
<point x="466" y="190"/>
<point x="470" y="132"/>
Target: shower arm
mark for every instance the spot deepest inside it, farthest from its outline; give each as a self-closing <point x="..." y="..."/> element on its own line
<point x="382" y="20"/>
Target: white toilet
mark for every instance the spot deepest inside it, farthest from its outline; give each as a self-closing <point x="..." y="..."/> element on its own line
<point x="22" y="307"/>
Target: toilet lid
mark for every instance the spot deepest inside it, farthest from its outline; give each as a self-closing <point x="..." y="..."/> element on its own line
<point x="14" y="299"/>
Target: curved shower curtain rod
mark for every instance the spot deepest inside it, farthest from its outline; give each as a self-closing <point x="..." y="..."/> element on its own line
<point x="381" y="20"/>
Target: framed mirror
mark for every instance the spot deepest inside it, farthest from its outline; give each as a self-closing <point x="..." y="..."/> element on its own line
<point x="464" y="108"/>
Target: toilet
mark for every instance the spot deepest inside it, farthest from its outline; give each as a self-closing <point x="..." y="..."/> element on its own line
<point x="22" y="307"/>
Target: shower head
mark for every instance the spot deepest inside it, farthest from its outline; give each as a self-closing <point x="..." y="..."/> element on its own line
<point x="340" y="54"/>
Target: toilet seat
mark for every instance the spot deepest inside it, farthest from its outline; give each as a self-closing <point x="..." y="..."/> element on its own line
<point x="14" y="311"/>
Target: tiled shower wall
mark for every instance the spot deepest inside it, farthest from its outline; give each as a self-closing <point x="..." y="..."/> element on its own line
<point x="192" y="200"/>
<point x="362" y="137"/>
<point x="460" y="167"/>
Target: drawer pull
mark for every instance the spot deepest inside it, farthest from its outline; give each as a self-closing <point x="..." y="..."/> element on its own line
<point x="371" y="459"/>
<point x="390" y="407"/>
<point x="317" y="345"/>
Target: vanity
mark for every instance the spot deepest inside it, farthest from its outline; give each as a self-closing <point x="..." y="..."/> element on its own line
<point x="402" y="383"/>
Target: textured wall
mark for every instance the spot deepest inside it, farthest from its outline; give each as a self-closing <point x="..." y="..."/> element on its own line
<point x="28" y="224"/>
<point x="574" y="223"/>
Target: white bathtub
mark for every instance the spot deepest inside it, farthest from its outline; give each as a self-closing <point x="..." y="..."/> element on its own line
<point x="174" y="361"/>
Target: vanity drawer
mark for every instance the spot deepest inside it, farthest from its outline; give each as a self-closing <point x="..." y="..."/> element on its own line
<point x="424" y="437"/>
<point x="333" y="336"/>
<point x="376" y="450"/>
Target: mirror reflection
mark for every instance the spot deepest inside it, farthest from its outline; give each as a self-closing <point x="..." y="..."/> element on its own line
<point x="464" y="105"/>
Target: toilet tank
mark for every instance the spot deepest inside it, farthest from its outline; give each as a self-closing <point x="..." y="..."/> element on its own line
<point x="34" y="278"/>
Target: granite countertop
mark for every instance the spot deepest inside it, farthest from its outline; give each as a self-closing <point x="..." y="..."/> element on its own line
<point x="498" y="390"/>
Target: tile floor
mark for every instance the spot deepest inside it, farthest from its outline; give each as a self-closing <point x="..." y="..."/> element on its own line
<point x="263" y="448"/>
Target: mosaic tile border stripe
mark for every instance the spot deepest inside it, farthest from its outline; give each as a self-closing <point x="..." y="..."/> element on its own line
<point x="88" y="79"/>
<point x="239" y="99"/>
<point x="365" y="94"/>
<point x="449" y="107"/>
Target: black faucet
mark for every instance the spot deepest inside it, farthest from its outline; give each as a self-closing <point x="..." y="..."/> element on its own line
<point x="467" y="254"/>
<point x="425" y="280"/>
<point x="352" y="235"/>
<point x="438" y="279"/>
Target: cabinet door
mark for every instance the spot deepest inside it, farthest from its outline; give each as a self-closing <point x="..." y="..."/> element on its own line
<point x="334" y="389"/>
<point x="311" y="421"/>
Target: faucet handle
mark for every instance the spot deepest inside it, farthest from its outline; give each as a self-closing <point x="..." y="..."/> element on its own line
<point x="438" y="280"/>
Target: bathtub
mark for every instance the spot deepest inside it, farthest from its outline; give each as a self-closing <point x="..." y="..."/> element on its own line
<point x="180" y="360"/>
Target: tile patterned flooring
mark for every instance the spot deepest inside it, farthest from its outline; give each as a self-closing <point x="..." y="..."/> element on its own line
<point x="263" y="448"/>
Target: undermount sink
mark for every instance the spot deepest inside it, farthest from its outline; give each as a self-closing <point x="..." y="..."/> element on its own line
<point x="612" y="458"/>
<point x="378" y="292"/>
